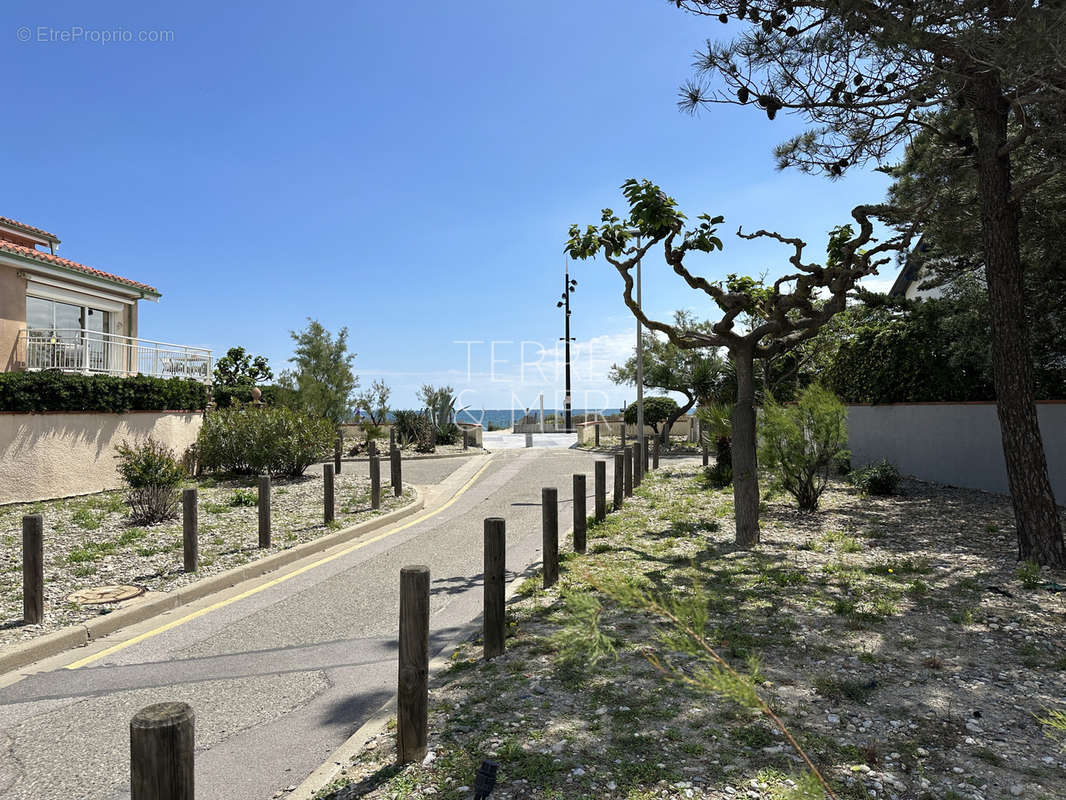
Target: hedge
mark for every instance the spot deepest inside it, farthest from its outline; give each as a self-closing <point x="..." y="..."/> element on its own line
<point x="225" y="396"/>
<point x="51" y="390"/>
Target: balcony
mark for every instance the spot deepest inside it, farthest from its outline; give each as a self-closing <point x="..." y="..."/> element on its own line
<point x="92" y="353"/>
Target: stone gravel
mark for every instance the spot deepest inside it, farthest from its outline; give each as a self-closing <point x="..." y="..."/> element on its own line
<point x="89" y="540"/>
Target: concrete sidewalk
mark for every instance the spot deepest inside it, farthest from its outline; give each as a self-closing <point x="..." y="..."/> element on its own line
<point x="497" y="440"/>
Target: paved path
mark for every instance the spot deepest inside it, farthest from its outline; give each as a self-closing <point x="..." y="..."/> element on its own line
<point x="496" y="440"/>
<point x="280" y="678"/>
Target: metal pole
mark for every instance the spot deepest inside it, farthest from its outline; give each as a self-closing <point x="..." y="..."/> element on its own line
<point x="566" y="399"/>
<point x="640" y="366"/>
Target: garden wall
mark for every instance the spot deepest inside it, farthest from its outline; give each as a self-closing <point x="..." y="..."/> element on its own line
<point x="43" y="456"/>
<point x="953" y="443"/>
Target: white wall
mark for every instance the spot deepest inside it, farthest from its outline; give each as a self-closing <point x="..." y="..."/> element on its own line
<point x="953" y="443"/>
<point x="43" y="456"/>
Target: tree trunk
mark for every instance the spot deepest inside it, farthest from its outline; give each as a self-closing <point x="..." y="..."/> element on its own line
<point x="681" y="411"/>
<point x="745" y="466"/>
<point x="1035" y="512"/>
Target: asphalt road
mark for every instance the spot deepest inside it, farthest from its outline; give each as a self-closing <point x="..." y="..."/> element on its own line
<point x="280" y="678"/>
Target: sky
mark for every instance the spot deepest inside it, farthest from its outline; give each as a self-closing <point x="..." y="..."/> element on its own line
<point x="407" y="171"/>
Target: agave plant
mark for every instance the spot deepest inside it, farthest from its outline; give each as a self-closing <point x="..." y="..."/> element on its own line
<point x="440" y="411"/>
<point x="406" y="425"/>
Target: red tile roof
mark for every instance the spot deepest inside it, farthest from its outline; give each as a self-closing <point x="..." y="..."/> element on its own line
<point x="48" y="258"/>
<point x="14" y="223"/>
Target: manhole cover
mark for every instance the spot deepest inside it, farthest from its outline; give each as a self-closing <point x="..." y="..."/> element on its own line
<point x="106" y="594"/>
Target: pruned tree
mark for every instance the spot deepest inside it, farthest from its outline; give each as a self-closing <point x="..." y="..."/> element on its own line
<point x="868" y="75"/>
<point x="786" y="313"/>
<point x="699" y="374"/>
<point x="239" y="368"/>
<point x="658" y="410"/>
<point x="375" y="402"/>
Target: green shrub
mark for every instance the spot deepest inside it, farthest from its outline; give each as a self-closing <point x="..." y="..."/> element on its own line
<point x="1029" y="574"/>
<point x="405" y="423"/>
<point x="52" y="390"/>
<point x="440" y="411"/>
<point x="426" y="435"/>
<point x="273" y="395"/>
<point x="720" y="475"/>
<point x="251" y="440"/>
<point x="657" y="410"/>
<point x="244" y="498"/>
<point x="151" y="476"/>
<point x="881" y="478"/>
<point x="801" y="443"/>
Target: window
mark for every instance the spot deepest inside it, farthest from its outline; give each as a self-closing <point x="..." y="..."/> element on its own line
<point x="67" y="336"/>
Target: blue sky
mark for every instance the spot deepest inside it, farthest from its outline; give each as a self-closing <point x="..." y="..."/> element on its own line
<point x="406" y="170"/>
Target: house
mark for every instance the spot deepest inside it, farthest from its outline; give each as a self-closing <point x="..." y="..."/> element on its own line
<point x="908" y="283"/>
<point x="58" y="314"/>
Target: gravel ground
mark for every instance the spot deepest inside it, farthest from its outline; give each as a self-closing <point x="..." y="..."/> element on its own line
<point x="89" y="541"/>
<point x="896" y="637"/>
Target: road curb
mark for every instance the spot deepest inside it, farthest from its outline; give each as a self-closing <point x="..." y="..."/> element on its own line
<point x="144" y="608"/>
<point x="384" y="455"/>
<point x="339" y="759"/>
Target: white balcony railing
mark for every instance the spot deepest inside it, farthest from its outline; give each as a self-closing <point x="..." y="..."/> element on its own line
<point x="110" y="354"/>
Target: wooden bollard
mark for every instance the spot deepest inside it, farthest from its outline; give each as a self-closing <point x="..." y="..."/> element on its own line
<point x="703" y="447"/>
<point x="412" y="686"/>
<point x="529" y="440"/>
<point x="327" y="493"/>
<point x="337" y="455"/>
<point x="264" y="511"/>
<point x="629" y="471"/>
<point x="392" y="438"/>
<point x="33" y="569"/>
<point x="580" y="514"/>
<point x="371" y="447"/>
<point x="600" y="486"/>
<point x="638" y="464"/>
<point x="495" y="577"/>
<point x="549" y="503"/>
<point x="466" y="439"/>
<point x="596" y="433"/>
<point x="645" y="454"/>
<point x="396" y="475"/>
<point x="622" y="433"/>
<point x="161" y="752"/>
<point x="375" y="481"/>
<point x="190" y="530"/>
<point x="619" y="484"/>
<point x="655" y="453"/>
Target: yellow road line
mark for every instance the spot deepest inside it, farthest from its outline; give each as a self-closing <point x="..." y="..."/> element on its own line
<point x="275" y="581"/>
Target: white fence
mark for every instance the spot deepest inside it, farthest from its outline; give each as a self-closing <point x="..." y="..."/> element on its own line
<point x="110" y="354"/>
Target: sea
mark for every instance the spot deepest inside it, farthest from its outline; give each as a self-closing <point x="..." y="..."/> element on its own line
<point x="505" y="417"/>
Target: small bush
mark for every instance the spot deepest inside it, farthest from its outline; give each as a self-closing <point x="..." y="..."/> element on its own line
<point x="719" y="476"/>
<point x="151" y="475"/>
<point x="252" y="440"/>
<point x="244" y="498"/>
<point x="426" y="436"/>
<point x="1029" y="574"/>
<point x="801" y="443"/>
<point x="405" y="423"/>
<point x="272" y="395"/>
<point x="881" y="478"/>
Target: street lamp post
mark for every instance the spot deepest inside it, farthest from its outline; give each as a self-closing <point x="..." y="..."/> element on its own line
<point x="640" y="366"/>
<point x="570" y="285"/>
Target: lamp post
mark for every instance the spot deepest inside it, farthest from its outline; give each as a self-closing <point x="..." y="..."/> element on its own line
<point x="570" y="285"/>
<point x="640" y="365"/>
